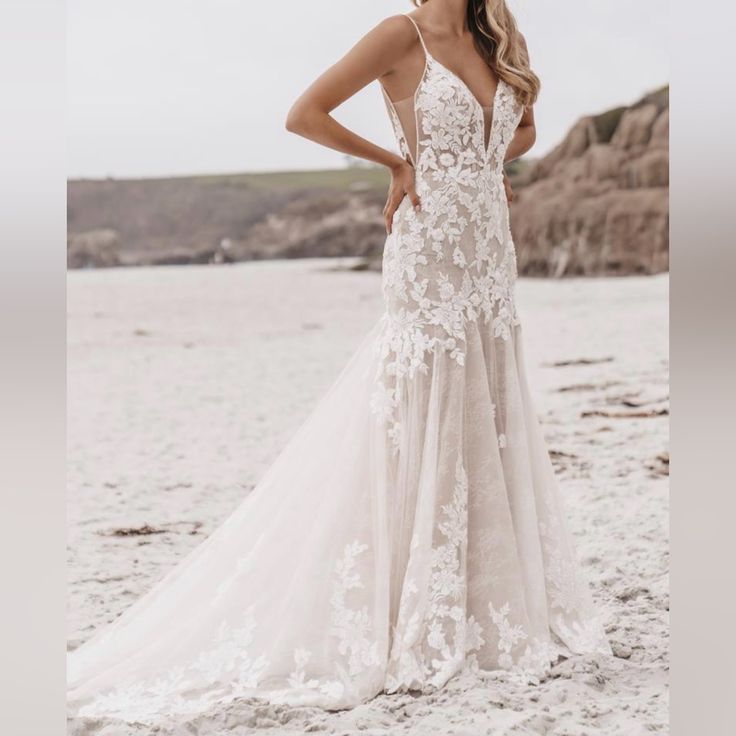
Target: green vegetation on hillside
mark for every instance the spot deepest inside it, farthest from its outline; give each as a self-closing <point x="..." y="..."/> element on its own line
<point x="357" y="178"/>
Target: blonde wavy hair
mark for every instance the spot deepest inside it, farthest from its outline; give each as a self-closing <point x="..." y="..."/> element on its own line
<point x="499" y="42"/>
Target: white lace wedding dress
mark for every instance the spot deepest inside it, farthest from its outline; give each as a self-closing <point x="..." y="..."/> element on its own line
<point x="412" y="527"/>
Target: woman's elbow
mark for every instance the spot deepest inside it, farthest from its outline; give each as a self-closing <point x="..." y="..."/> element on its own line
<point x="524" y="139"/>
<point x="292" y="121"/>
<point x="296" y="120"/>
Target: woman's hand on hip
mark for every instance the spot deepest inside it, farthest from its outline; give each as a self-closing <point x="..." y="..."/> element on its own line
<point x="507" y="186"/>
<point x="402" y="185"/>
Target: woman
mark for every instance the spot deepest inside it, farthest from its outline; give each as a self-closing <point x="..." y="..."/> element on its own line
<point x="412" y="528"/>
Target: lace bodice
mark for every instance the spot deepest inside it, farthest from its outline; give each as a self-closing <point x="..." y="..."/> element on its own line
<point x="453" y="262"/>
<point x="439" y="86"/>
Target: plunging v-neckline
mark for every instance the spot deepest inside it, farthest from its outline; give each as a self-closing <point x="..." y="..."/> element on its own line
<point x="464" y="84"/>
<point x="491" y="109"/>
<point x="478" y="105"/>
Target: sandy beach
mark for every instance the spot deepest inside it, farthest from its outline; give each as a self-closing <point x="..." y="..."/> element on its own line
<point x="184" y="383"/>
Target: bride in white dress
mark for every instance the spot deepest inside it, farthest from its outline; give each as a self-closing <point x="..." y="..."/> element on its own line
<point x="412" y="527"/>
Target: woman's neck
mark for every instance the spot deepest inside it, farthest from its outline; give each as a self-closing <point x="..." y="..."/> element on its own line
<point x="450" y="15"/>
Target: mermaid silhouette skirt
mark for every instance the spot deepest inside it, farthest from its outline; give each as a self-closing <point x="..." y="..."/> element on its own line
<point x="412" y="528"/>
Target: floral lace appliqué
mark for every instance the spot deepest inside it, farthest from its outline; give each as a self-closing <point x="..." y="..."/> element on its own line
<point x="453" y="263"/>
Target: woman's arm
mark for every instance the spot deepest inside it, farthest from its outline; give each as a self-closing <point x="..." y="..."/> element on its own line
<point x="524" y="137"/>
<point x="371" y="58"/>
<point x="374" y="56"/>
<point x="523" y="140"/>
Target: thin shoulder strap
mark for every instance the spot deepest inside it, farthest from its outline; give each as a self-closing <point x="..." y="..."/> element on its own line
<point x="419" y="33"/>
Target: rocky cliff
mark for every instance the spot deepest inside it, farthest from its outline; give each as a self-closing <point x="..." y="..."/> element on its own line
<point x="598" y="203"/>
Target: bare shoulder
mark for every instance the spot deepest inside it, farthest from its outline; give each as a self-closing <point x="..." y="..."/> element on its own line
<point x="397" y="32"/>
<point x="390" y="41"/>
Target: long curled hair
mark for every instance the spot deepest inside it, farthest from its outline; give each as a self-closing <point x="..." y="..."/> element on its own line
<point x="499" y="42"/>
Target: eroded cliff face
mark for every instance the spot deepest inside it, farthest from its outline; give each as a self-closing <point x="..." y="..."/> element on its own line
<point x="598" y="203"/>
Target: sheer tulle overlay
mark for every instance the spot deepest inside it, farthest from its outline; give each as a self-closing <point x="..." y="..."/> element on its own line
<point x="412" y="527"/>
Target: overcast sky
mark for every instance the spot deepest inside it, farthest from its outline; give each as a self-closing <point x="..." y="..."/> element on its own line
<point x="162" y="87"/>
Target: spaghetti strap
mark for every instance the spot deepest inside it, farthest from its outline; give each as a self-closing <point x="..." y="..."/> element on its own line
<point x="419" y="33"/>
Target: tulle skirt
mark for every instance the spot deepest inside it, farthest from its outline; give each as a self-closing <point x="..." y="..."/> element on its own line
<point x="366" y="563"/>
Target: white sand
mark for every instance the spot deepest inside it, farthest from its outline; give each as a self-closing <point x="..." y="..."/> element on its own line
<point x="185" y="382"/>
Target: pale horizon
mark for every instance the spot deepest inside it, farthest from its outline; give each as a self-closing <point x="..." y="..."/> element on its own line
<point x="195" y="87"/>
